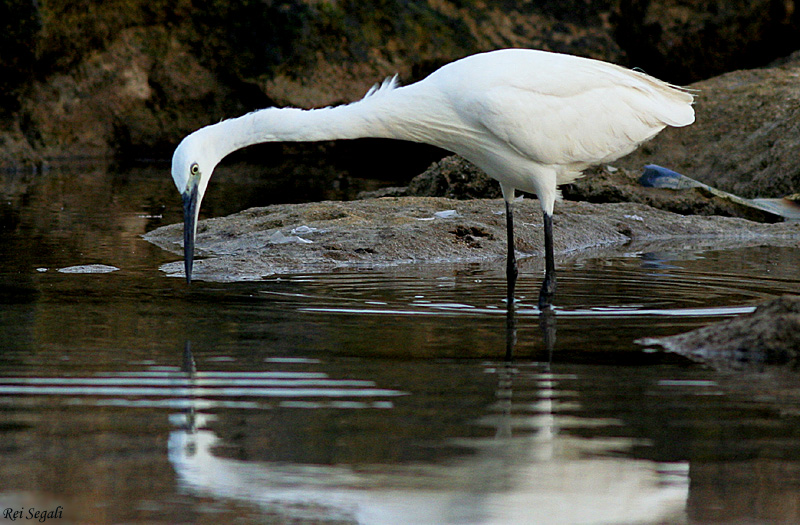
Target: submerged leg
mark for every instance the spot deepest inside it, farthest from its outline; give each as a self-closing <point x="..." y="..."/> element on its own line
<point x="548" y="290"/>
<point x="547" y="324"/>
<point x="511" y="283"/>
<point x="511" y="318"/>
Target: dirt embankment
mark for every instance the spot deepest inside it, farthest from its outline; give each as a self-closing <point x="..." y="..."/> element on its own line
<point x="131" y="77"/>
<point x="389" y="231"/>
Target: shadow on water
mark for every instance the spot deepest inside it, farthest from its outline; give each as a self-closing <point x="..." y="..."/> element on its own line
<point x="411" y="394"/>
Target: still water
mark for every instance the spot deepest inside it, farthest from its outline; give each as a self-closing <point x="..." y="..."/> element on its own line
<point x="368" y="396"/>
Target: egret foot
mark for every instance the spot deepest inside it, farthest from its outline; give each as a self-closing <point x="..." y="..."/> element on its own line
<point x="548" y="291"/>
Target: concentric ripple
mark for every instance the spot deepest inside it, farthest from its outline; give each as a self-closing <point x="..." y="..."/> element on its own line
<point x="681" y="284"/>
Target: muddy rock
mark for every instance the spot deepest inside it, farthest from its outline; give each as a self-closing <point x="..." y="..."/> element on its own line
<point x="456" y="178"/>
<point x="746" y="137"/>
<point x="16" y="151"/>
<point x="130" y="78"/>
<point x="390" y="231"/>
<point x="768" y="336"/>
<point x="130" y="99"/>
<point x="756" y="354"/>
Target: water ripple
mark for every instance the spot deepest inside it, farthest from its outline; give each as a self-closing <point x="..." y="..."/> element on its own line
<point x="173" y="389"/>
<point x="621" y="287"/>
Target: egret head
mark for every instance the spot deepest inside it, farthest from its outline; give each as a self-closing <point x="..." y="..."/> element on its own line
<point x="192" y="165"/>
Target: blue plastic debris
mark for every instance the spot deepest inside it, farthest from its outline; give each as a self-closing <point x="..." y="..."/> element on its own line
<point x="655" y="176"/>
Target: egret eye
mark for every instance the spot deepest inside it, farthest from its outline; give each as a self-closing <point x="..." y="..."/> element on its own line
<point x="195" y="169"/>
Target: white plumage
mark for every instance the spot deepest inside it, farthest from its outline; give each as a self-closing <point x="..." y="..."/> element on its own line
<point x="530" y="119"/>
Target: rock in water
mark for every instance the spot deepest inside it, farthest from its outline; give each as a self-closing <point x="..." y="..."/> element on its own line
<point x="768" y="336"/>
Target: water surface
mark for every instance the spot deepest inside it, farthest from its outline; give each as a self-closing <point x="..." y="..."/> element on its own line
<point x="368" y="396"/>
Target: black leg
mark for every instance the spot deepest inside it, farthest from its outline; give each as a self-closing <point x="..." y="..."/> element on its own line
<point x="549" y="285"/>
<point x="511" y="283"/>
<point x="511" y="260"/>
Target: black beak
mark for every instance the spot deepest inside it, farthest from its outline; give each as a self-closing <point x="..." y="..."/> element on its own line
<point x="189" y="227"/>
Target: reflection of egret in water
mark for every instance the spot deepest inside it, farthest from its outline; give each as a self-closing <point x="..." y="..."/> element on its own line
<point x="544" y="421"/>
<point x="529" y="470"/>
<point x="189" y="368"/>
<point x="547" y="324"/>
<point x="187" y="419"/>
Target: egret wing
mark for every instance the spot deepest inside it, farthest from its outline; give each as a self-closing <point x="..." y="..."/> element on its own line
<point x="564" y="110"/>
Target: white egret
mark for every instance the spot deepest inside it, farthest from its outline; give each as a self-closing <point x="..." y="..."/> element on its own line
<point x="532" y="120"/>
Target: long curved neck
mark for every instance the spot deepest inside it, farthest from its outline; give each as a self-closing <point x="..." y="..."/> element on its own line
<point x="399" y="113"/>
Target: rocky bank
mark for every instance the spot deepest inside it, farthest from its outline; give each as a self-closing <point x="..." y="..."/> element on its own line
<point x="388" y="231"/>
<point x="746" y="136"/>
<point x="129" y="78"/>
<point x="455" y="178"/>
